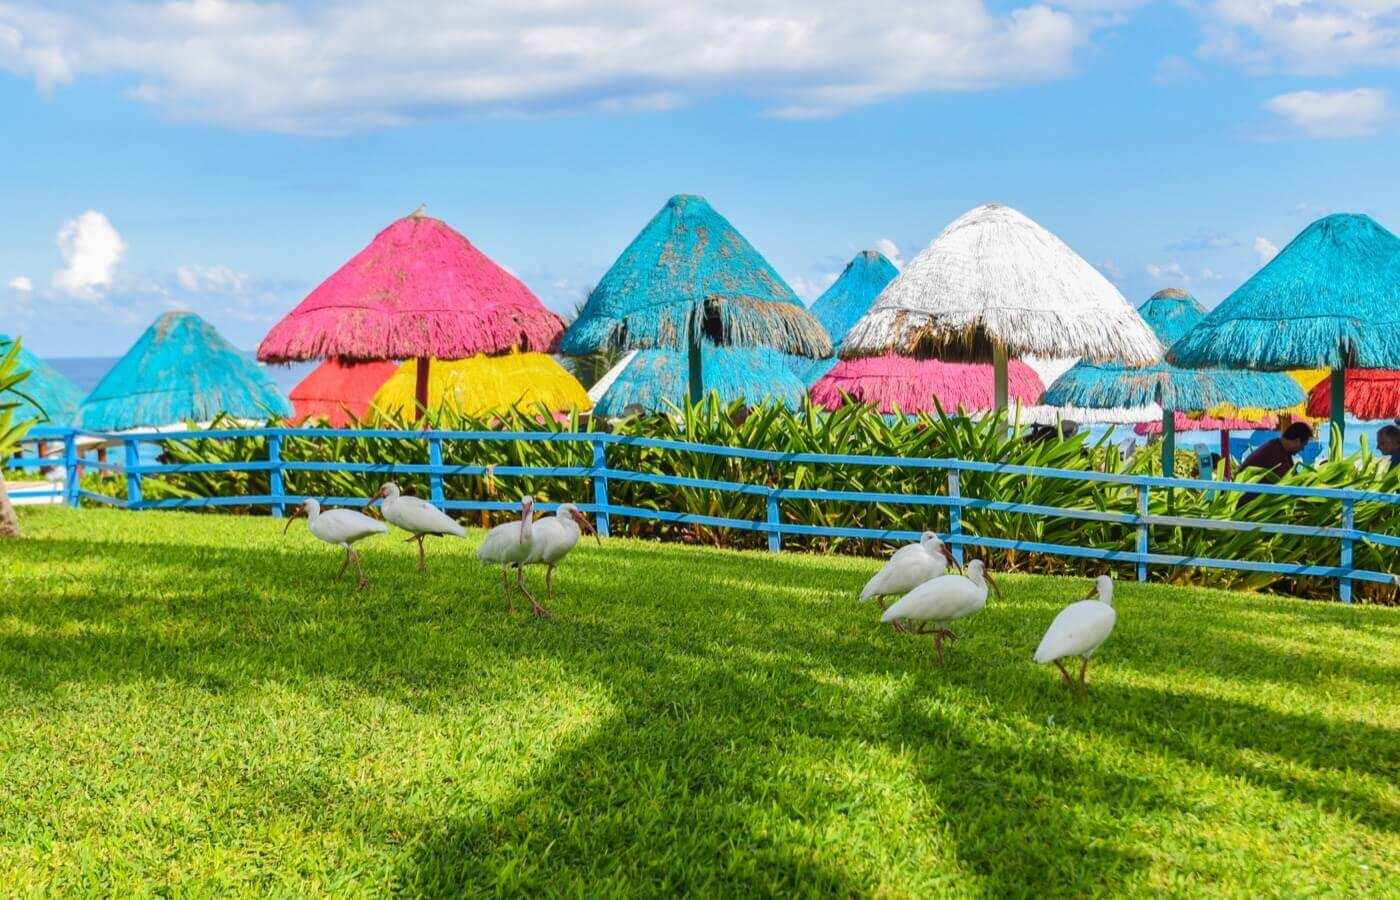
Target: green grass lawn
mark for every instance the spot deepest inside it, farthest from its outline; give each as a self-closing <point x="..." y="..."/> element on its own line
<point x="191" y="704"/>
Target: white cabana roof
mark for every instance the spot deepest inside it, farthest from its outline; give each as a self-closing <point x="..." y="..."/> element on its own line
<point x="995" y="276"/>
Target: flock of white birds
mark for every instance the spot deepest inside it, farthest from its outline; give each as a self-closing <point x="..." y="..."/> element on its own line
<point x="930" y="597"/>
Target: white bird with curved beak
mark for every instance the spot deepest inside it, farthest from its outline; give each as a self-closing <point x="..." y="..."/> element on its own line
<point x="416" y="516"/>
<point x="510" y="545"/>
<point x="1079" y="629"/>
<point x="555" y="536"/>
<point x="909" y="567"/>
<point x="944" y="599"/>
<point x="342" y="527"/>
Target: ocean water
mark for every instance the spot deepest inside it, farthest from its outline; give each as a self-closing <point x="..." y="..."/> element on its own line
<point x="87" y="371"/>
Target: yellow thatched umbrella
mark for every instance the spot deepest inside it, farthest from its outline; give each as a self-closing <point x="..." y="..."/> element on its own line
<point x="480" y="385"/>
<point x="1306" y="378"/>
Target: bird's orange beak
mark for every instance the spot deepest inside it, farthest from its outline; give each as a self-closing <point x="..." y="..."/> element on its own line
<point x="991" y="582"/>
<point x="586" y="525"/>
<point x="952" y="560"/>
<point x="295" y="512"/>
<point x="372" y="500"/>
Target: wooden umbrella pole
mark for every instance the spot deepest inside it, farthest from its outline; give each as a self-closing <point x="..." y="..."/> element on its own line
<point x="1225" y="452"/>
<point x="695" y="379"/>
<point x="999" y="377"/>
<point x="1339" y="413"/>
<point x="420" y="387"/>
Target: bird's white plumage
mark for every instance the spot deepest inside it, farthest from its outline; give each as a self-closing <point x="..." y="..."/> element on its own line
<point x="416" y="515"/>
<point x="554" y="536"/>
<point x="909" y="567"/>
<point x="509" y="544"/>
<point x="342" y="527"/>
<point x="943" y="599"/>
<point x="1081" y="627"/>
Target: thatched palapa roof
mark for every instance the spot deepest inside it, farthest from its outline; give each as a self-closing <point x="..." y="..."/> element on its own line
<point x="482" y="385"/>
<point x="655" y="380"/>
<point x="1370" y="394"/>
<point x="1331" y="298"/>
<point x="842" y="305"/>
<point x="180" y="370"/>
<point x="893" y="383"/>
<point x="1170" y="313"/>
<point x="689" y="263"/>
<point x="338" y="392"/>
<point x="56" y="396"/>
<point x="419" y="289"/>
<point x="994" y="276"/>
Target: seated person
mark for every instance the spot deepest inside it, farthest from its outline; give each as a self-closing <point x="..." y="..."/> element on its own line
<point x="1277" y="455"/>
<point x="1388" y="443"/>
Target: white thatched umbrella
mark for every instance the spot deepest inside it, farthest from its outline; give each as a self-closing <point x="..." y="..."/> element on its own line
<point x="995" y="284"/>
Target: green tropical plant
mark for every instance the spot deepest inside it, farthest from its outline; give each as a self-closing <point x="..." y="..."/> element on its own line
<point x="11" y="431"/>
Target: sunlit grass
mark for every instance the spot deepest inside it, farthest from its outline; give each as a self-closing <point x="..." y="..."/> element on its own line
<point x="192" y="703"/>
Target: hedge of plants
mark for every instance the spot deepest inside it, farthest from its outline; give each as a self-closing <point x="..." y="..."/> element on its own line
<point x="850" y="430"/>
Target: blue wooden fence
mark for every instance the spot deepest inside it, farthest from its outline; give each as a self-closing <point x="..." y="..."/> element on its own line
<point x="133" y="467"/>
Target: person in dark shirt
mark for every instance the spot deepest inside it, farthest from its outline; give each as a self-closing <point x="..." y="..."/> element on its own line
<point x="1277" y="455"/>
<point x="1388" y="442"/>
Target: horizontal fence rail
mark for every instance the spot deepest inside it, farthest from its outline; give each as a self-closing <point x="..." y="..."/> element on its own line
<point x="56" y="448"/>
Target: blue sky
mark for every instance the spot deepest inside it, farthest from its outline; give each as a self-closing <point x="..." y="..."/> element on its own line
<point x="225" y="157"/>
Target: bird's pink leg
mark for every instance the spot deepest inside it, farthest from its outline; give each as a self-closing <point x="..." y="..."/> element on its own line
<point x="344" y="565"/>
<point x="360" y="570"/>
<point x="535" y="607"/>
<point x="549" y="580"/>
<point x="1083" y="668"/>
<point x="1064" y="673"/>
<point x="422" y="557"/>
<point x="938" y="644"/>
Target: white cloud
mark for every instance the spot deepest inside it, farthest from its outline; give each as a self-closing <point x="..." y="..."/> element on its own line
<point x="91" y="250"/>
<point x="357" y="64"/>
<point x="810" y="289"/>
<point x="211" y="279"/>
<point x="21" y="283"/>
<point x="1111" y="271"/>
<point x="1266" y="248"/>
<point x="1306" y="36"/>
<point x="891" y="251"/>
<point x="1168" y="272"/>
<point x="1333" y="114"/>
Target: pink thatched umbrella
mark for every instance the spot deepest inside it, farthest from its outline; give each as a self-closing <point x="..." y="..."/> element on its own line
<point x="891" y="382"/>
<point x="419" y="291"/>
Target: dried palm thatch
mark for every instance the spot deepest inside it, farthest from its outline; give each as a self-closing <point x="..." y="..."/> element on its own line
<point x="1370" y="394"/>
<point x="1331" y="298"/>
<point x="690" y="271"/>
<point x="481" y="385"/>
<point x="1183" y="422"/>
<point x="419" y="289"/>
<point x="1170" y="313"/>
<point x="55" y="398"/>
<point x="180" y="370"/>
<point x="339" y="392"/>
<point x="654" y="381"/>
<point x="995" y="278"/>
<point x="893" y="383"/>
<point x="1306" y="379"/>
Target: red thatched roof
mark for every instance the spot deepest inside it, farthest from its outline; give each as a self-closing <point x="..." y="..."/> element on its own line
<point x="1370" y="394"/>
<point x="336" y="391"/>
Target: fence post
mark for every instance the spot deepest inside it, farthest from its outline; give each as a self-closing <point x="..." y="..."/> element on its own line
<point x="133" y="478"/>
<point x="70" y="468"/>
<point x="435" y="477"/>
<point x="775" y="539"/>
<point x="600" y="487"/>
<point x="274" y="456"/>
<point x="1348" y="523"/>
<point x="1142" y="532"/>
<point x="955" y="515"/>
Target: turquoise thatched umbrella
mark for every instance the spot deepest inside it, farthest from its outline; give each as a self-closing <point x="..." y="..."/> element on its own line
<point x="1330" y="299"/>
<point x="841" y="305"/>
<point x="1171" y="313"/>
<point x="180" y="370"/>
<point x="655" y="380"/>
<point x="690" y="278"/>
<point x="56" y="396"/>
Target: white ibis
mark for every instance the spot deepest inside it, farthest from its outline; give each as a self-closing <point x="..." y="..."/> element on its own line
<point x="909" y="567"/>
<point x="510" y="545"/>
<point x="944" y="599"/>
<point x="416" y="516"/>
<point x="1079" y="629"/>
<point x="342" y="527"/>
<point x="555" y="536"/>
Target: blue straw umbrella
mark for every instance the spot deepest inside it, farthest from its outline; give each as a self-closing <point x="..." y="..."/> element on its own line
<point x="840" y="306"/>
<point x="655" y="381"/>
<point x="1330" y="299"/>
<point x="55" y="398"/>
<point x="690" y="278"/>
<point x="180" y="370"/>
<point x="1171" y="313"/>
